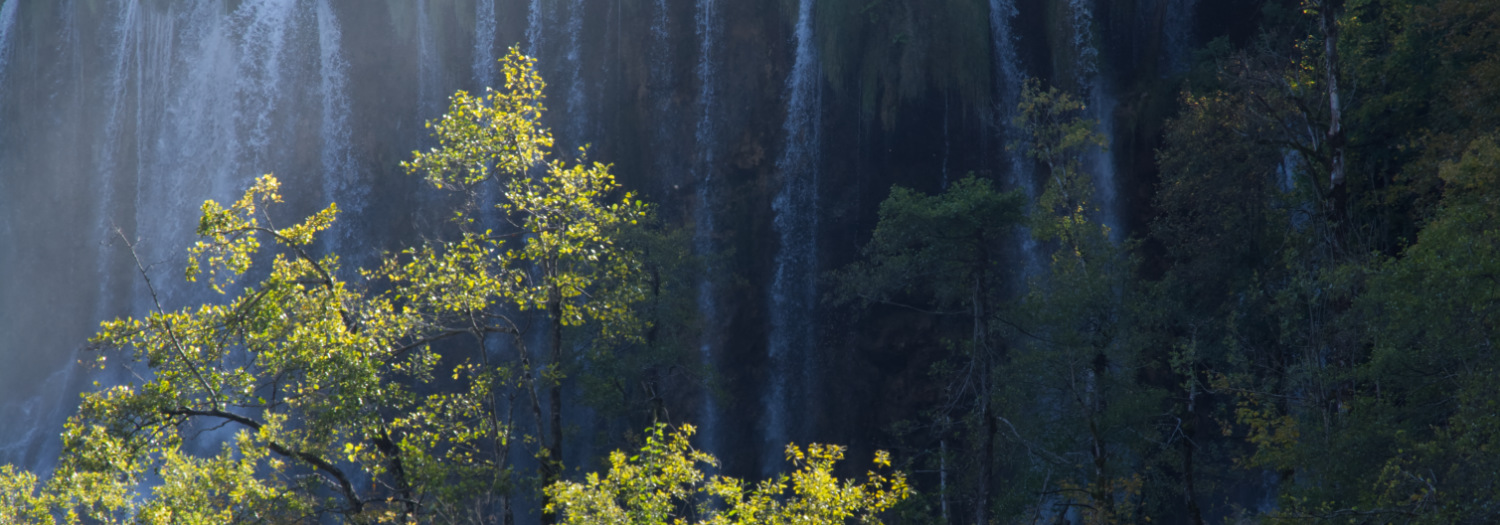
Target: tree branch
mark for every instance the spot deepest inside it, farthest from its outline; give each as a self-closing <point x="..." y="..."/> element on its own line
<point x="328" y="469"/>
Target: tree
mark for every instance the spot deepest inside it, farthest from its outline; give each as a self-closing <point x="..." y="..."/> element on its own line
<point x="360" y="399"/>
<point x="940" y="253"/>
<point x="1069" y="383"/>
<point x="571" y="264"/>
<point x="665" y="483"/>
<point x="1431" y="317"/>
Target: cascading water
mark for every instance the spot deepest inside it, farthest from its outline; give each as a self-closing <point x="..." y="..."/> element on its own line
<point x="486" y="76"/>
<point x="577" y="117"/>
<point x="1177" y="26"/>
<point x="218" y="130"/>
<point x="430" y="95"/>
<point x="794" y="291"/>
<point x="484" y="45"/>
<point x="184" y="101"/>
<point x="666" y="116"/>
<point x="1101" y="106"/>
<point x="340" y="178"/>
<point x="147" y="108"/>
<point x="535" y="20"/>
<point x="125" y="39"/>
<point x="1010" y="78"/>
<point x="706" y="137"/>
<point x="661" y="59"/>
<point x="1085" y="55"/>
<point x="7" y="21"/>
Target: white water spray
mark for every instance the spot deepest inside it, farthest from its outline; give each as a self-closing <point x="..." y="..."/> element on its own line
<point x="216" y="125"/>
<point x="577" y="117"/>
<point x="7" y="21"/>
<point x="535" y="19"/>
<point x="1178" y="28"/>
<point x="484" y="45"/>
<point x="341" y="182"/>
<point x="794" y="292"/>
<point x="1010" y="79"/>
<point x="430" y="94"/>
<point x="706" y="136"/>
<point x="663" y="85"/>
<point x="1101" y="106"/>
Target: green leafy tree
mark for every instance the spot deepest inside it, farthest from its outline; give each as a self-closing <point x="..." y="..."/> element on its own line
<point x="1432" y="316"/>
<point x="940" y="254"/>
<point x="665" y="483"/>
<point x="571" y="264"/>
<point x="1069" y="396"/>
<point x="360" y="399"/>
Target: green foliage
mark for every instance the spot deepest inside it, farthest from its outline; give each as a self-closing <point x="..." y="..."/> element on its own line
<point x="71" y="499"/>
<point x="1433" y="352"/>
<point x="1339" y="337"/>
<point x="334" y="394"/>
<point x="937" y="247"/>
<point x="665" y="483"/>
<point x="1043" y="395"/>
<point x="1060" y="137"/>
<point x="570" y="258"/>
<point x="315" y="376"/>
<point x="574" y="263"/>
<point x="1068" y="389"/>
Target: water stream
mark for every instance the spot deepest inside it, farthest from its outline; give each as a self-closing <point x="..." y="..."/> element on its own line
<point x="7" y="21"/>
<point x="577" y="105"/>
<point x="484" y="45"/>
<point x="181" y="102"/>
<point x="341" y="183"/>
<point x="431" y="98"/>
<point x="706" y="135"/>
<point x="792" y="339"/>
<point x="1177" y="25"/>
<point x="1101" y="107"/>
<point x="1010" y="78"/>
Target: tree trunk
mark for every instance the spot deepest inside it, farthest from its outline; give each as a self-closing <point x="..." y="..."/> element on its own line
<point x="1103" y="486"/>
<point x="552" y="466"/>
<point x="1189" y="432"/>
<point x="987" y="451"/>
<point x="943" y="478"/>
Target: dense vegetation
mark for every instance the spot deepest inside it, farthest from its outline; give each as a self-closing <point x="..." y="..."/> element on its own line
<point x="1303" y="333"/>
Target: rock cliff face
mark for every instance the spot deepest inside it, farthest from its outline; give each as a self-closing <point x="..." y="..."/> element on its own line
<point x="774" y="127"/>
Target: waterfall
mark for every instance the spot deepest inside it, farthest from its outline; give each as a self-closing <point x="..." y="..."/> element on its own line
<point x="706" y="136"/>
<point x="1177" y="26"/>
<point x="486" y="76"/>
<point x="1101" y="106"/>
<point x="221" y="126"/>
<point x="794" y="291"/>
<point x="659" y="38"/>
<point x="430" y="95"/>
<point x="535" y="19"/>
<point x="7" y="21"/>
<point x="125" y="47"/>
<point x="340" y="179"/>
<point x="484" y="45"/>
<point x="1009" y="81"/>
<point x="28" y="436"/>
<point x="577" y="117"/>
<point x="663" y="84"/>
<point x="1085" y="55"/>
